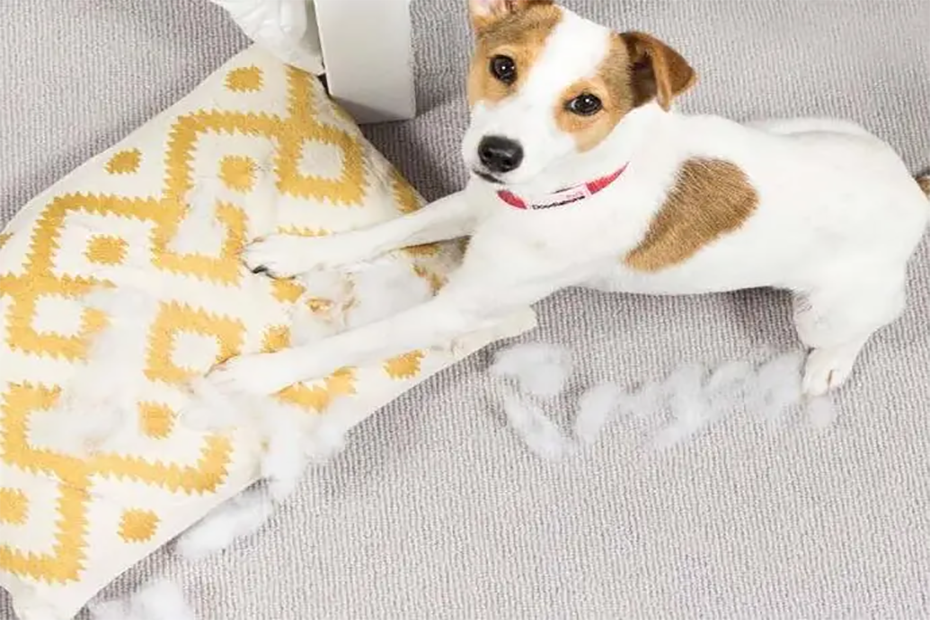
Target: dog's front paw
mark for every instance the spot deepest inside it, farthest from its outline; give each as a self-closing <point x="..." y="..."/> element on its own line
<point x="258" y="375"/>
<point x="285" y="256"/>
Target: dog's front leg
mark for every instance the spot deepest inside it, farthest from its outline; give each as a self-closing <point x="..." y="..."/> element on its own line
<point x="285" y="256"/>
<point x="433" y="323"/>
<point x="463" y="306"/>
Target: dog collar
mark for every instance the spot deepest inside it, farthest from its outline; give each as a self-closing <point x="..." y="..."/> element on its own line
<point x="562" y="197"/>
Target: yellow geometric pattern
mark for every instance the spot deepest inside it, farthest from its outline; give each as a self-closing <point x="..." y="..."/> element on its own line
<point x="117" y="223"/>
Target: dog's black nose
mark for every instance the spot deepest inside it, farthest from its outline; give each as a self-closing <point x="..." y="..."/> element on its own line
<point x="500" y="154"/>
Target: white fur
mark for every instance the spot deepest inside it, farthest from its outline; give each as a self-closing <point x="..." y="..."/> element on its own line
<point x="383" y="289"/>
<point x="159" y="600"/>
<point x="239" y="517"/>
<point x="837" y="220"/>
<point x="573" y="51"/>
<point x="540" y="369"/>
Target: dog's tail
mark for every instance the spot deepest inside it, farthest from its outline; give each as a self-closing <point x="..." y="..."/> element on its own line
<point x="924" y="181"/>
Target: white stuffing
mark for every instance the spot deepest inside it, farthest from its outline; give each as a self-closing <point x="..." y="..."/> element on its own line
<point x="111" y="610"/>
<point x="387" y="287"/>
<point x="239" y="517"/>
<point x="728" y="384"/>
<point x="100" y="398"/>
<point x="683" y="404"/>
<point x="284" y="459"/>
<point x="821" y="412"/>
<point x="777" y="385"/>
<point x="540" y="369"/>
<point x="290" y="446"/>
<point x="200" y="232"/>
<point x="595" y="408"/>
<point x="686" y="402"/>
<point x="159" y="600"/>
<point x="211" y="409"/>
<point x="325" y="442"/>
<point x="689" y="403"/>
<point x="538" y="432"/>
<point x="646" y="401"/>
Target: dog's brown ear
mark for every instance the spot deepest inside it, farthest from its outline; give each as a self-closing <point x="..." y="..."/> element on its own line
<point x="485" y="13"/>
<point x="656" y="70"/>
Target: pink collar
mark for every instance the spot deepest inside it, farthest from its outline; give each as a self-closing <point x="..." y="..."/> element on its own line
<point x="562" y="197"/>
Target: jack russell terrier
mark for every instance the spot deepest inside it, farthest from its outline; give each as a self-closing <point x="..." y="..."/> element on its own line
<point x="583" y="175"/>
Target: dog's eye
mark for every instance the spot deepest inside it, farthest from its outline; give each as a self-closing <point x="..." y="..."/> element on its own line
<point x="585" y="105"/>
<point x="504" y="69"/>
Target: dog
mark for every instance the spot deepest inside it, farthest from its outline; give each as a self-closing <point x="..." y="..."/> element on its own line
<point x="583" y="174"/>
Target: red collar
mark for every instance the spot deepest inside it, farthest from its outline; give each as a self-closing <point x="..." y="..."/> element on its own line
<point x="562" y="197"/>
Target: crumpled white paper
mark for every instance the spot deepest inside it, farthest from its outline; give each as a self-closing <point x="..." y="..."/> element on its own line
<point x="286" y="28"/>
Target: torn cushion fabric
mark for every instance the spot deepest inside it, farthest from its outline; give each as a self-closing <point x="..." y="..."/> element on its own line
<point x="122" y="283"/>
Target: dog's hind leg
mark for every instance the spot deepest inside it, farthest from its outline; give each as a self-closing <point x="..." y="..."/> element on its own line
<point x="285" y="256"/>
<point x="836" y="319"/>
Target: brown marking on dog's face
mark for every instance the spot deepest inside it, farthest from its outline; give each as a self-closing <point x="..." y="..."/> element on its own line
<point x="638" y="68"/>
<point x="517" y="29"/>
<point x="611" y="86"/>
<point x="711" y="198"/>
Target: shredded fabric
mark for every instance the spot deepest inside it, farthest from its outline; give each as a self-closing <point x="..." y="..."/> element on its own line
<point x="239" y="517"/>
<point x="538" y="432"/>
<point x="540" y="369"/>
<point x="159" y="600"/>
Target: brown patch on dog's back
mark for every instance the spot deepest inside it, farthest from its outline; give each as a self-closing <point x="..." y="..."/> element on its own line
<point x="612" y="86"/>
<point x="711" y="198"/>
<point x="924" y="183"/>
<point x="521" y="36"/>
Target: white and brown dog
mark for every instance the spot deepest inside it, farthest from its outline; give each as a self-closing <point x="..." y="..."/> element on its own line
<point x="584" y="176"/>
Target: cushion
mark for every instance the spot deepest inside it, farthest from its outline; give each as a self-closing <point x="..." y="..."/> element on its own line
<point x="121" y="284"/>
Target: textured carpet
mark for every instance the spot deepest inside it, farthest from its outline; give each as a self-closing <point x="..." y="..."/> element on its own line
<point x="436" y="511"/>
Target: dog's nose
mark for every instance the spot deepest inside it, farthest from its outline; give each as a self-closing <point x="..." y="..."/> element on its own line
<point x="500" y="154"/>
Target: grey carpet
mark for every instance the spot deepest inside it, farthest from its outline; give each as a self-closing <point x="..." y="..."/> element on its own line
<point x="436" y="511"/>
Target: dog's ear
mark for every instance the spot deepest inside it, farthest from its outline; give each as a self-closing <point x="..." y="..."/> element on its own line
<point x="656" y="70"/>
<point x="485" y="13"/>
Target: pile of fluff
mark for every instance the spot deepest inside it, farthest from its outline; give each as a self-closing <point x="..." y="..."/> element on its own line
<point x="676" y="408"/>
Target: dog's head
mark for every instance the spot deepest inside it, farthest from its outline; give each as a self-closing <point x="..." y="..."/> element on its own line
<point x="546" y="85"/>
